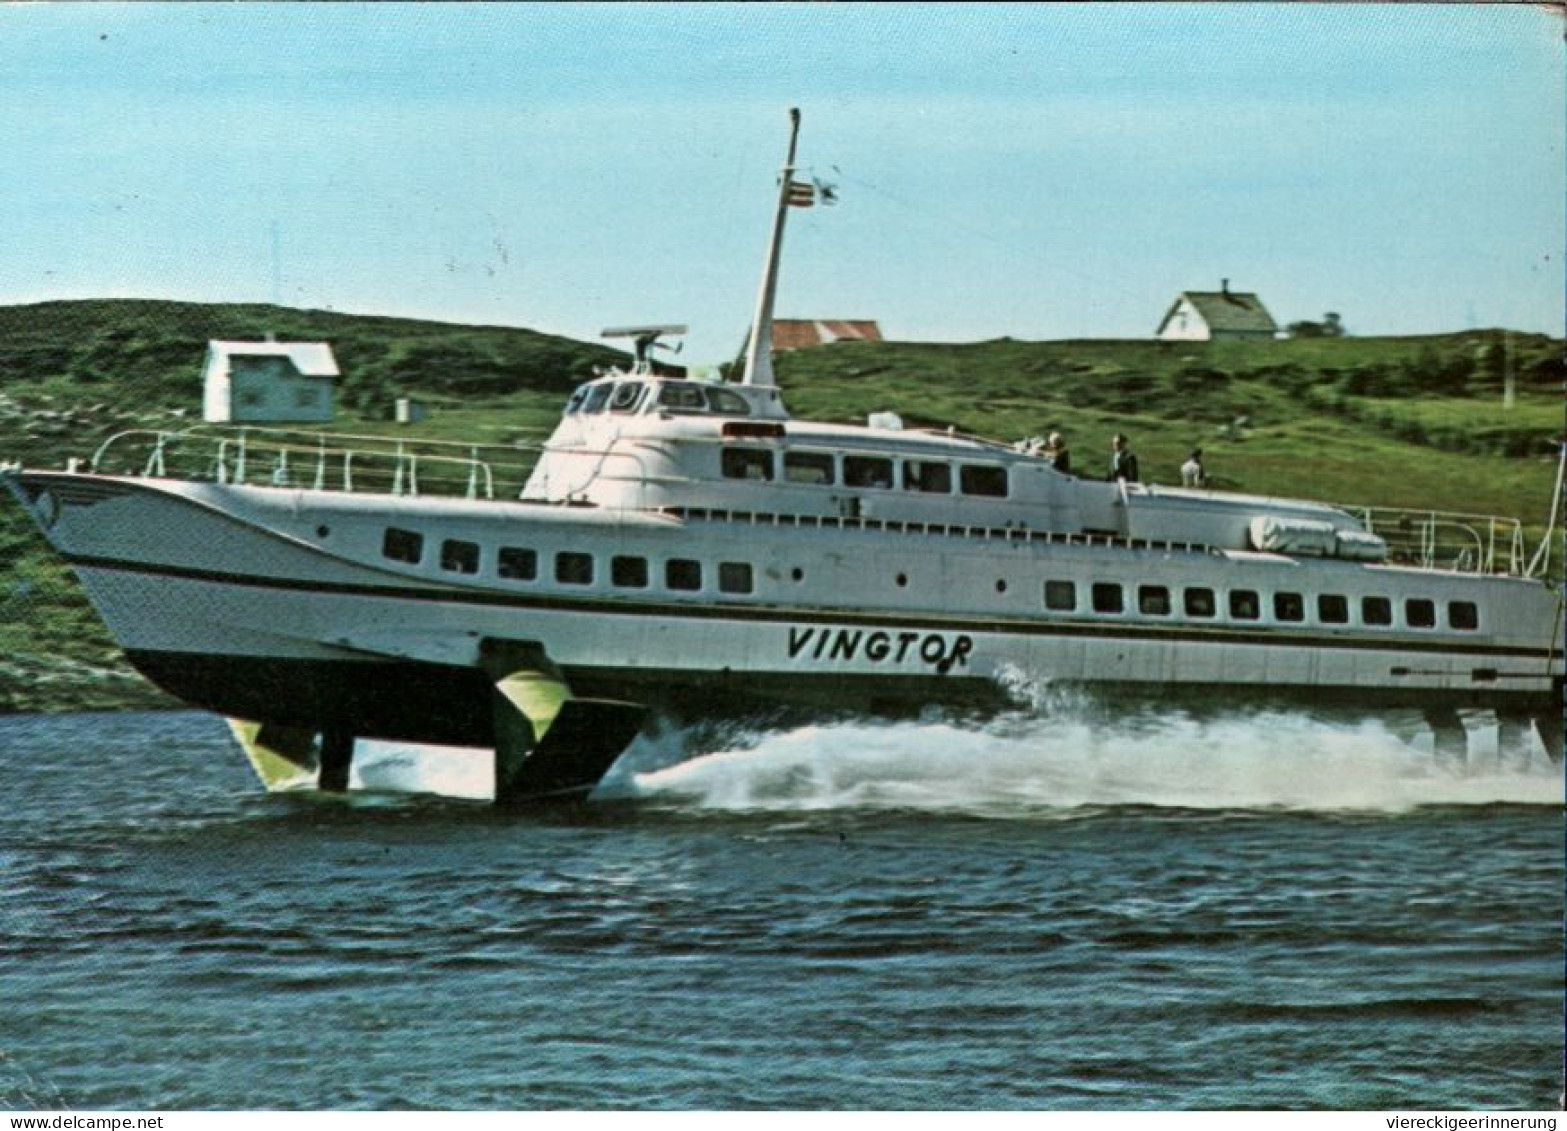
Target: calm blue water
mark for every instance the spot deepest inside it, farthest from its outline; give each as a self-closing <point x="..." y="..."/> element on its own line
<point x="1065" y="914"/>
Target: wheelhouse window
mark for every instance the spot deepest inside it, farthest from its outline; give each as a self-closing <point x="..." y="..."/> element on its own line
<point x="627" y="396"/>
<point x="727" y="402"/>
<point x="928" y="477"/>
<point x="1107" y="597"/>
<point x="578" y="395"/>
<point x="809" y="467"/>
<point x="867" y="471"/>
<point x="1463" y="615"/>
<point x="1420" y="613"/>
<point x="1153" y="600"/>
<point x="460" y="557"/>
<point x="734" y="577"/>
<point x="1061" y="596"/>
<point x="1332" y="608"/>
<point x="1199" y="603"/>
<point x="982" y="479"/>
<point x="628" y="572"/>
<point x="517" y="564"/>
<point x="596" y="398"/>
<point x="679" y="397"/>
<point x="683" y="574"/>
<point x="573" y="568"/>
<point x="1244" y="604"/>
<point x="747" y="463"/>
<point x="402" y="545"/>
<point x="1376" y="611"/>
<point x="1289" y="607"/>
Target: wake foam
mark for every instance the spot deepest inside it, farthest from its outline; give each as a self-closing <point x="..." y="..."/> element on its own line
<point x="1026" y="763"/>
<point x="1074" y="756"/>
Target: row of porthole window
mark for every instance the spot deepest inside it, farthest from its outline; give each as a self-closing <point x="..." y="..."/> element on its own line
<point x="825" y="469"/>
<point x="517" y="563"/>
<point x="514" y="563"/>
<point x="1246" y="605"/>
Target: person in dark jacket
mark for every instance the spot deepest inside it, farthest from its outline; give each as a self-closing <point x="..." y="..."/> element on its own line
<point x="1123" y="463"/>
<point x="1056" y="455"/>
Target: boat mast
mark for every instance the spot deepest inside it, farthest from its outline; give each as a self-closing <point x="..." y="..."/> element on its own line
<point x="759" y="349"/>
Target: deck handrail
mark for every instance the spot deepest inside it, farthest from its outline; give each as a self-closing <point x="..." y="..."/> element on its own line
<point x="1484" y="542"/>
<point x="1423" y="538"/>
<point x="237" y="454"/>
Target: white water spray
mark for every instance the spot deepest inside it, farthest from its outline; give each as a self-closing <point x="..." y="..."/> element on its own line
<point x="1018" y="765"/>
<point x="1026" y="764"/>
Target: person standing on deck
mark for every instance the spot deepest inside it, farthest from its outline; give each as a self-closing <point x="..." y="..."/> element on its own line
<point x="1193" y="474"/>
<point x="1123" y="463"/>
<point x="1056" y="455"/>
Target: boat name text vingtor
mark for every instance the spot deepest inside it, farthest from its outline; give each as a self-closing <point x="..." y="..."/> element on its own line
<point x="936" y="649"/>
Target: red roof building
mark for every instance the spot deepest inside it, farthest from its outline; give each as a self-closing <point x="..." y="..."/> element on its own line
<point x="798" y="333"/>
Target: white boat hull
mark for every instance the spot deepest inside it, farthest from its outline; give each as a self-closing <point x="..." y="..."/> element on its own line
<point x="249" y="609"/>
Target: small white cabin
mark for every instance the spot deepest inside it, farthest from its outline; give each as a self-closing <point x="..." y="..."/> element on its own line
<point x="268" y="382"/>
<point x="1204" y="316"/>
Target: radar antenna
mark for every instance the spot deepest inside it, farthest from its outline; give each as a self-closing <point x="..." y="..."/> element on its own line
<point x="644" y="340"/>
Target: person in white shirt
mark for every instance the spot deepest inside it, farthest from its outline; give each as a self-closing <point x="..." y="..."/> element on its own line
<point x="1193" y="474"/>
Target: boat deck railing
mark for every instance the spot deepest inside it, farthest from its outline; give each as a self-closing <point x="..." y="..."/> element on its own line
<point x="1466" y="543"/>
<point x="298" y="458"/>
<point x="378" y="464"/>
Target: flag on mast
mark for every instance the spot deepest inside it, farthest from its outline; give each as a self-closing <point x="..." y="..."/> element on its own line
<point x="802" y="194"/>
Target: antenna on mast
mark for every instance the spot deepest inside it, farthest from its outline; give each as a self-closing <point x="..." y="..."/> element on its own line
<point x="759" y="349"/>
<point x="645" y="339"/>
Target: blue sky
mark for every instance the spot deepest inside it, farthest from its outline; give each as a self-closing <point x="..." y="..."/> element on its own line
<point x="1034" y="171"/>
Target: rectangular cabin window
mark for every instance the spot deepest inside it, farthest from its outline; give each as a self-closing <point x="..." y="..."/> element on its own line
<point x="1420" y="613"/>
<point x="1463" y="615"/>
<point x="809" y="467"/>
<point x="747" y="463"/>
<point x="402" y="545"/>
<point x="628" y="572"/>
<point x="681" y="398"/>
<point x="683" y="574"/>
<point x="597" y="395"/>
<point x="1376" y="611"/>
<point x="1153" y="600"/>
<point x="1199" y="603"/>
<point x="980" y="479"/>
<point x="1061" y="596"/>
<point x="516" y="564"/>
<point x="1107" y="597"/>
<point x="460" y="557"/>
<point x="927" y="477"/>
<point x="734" y="577"/>
<point x="1289" y="607"/>
<point x="867" y="471"/>
<point x="574" y="569"/>
<point x="1332" y="608"/>
<point x="1244" y="604"/>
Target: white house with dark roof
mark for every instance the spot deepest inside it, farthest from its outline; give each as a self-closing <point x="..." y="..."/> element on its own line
<point x="268" y="382"/>
<point x="1202" y="316"/>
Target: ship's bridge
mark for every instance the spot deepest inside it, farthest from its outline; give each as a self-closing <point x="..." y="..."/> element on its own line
<point x="649" y="443"/>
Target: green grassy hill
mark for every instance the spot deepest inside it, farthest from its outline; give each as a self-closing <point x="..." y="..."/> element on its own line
<point x="1413" y="422"/>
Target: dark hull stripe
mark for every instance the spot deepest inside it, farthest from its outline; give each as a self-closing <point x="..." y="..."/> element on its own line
<point x="441" y="703"/>
<point x="775" y="614"/>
